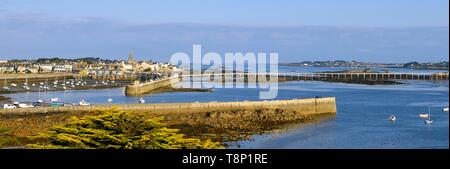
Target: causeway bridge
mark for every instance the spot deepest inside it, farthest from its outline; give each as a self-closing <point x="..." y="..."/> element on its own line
<point x="442" y="76"/>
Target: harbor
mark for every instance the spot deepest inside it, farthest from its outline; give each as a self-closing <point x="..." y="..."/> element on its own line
<point x="362" y="111"/>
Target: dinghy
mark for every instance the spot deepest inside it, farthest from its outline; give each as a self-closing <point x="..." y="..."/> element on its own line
<point x="445" y="109"/>
<point x="392" y="118"/>
<point x="425" y="116"/>
<point x="141" y="100"/>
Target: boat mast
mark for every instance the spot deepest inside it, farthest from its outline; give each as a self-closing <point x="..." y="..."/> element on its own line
<point x="429" y="113"/>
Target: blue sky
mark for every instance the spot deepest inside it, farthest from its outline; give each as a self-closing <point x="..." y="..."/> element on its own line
<point x="380" y="13"/>
<point x="389" y="30"/>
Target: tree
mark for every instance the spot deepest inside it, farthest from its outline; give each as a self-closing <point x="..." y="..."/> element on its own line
<point x="113" y="129"/>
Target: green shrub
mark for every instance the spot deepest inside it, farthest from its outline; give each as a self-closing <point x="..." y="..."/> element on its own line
<point x="6" y="138"/>
<point x="113" y="129"/>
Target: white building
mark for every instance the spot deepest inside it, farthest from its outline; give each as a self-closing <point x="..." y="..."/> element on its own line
<point x="4" y="69"/>
<point x="126" y="67"/>
<point x="62" y="68"/>
<point x="46" y="67"/>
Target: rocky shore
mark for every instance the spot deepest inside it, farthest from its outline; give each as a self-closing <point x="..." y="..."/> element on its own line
<point x="236" y="124"/>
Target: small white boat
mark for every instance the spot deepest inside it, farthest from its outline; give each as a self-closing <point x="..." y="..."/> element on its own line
<point x="54" y="99"/>
<point x="13" y="85"/>
<point x="141" y="100"/>
<point x="84" y="103"/>
<point x="425" y="116"/>
<point x="392" y="118"/>
<point x="428" y="121"/>
<point x="445" y="109"/>
<point x="110" y="100"/>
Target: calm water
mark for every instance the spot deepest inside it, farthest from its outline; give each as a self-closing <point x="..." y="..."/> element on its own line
<point x="361" y="121"/>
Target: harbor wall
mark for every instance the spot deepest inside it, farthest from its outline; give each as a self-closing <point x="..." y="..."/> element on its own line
<point x="303" y="106"/>
<point x="142" y="88"/>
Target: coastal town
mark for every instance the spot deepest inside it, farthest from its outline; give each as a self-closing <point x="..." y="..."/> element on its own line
<point x="86" y="66"/>
<point x="56" y="74"/>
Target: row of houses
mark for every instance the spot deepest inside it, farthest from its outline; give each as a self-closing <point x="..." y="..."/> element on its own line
<point x="76" y="67"/>
<point x="134" y="67"/>
<point x="34" y="68"/>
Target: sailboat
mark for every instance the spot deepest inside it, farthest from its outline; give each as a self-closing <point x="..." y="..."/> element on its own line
<point x="141" y="100"/>
<point x="26" y="82"/>
<point x="429" y="121"/>
<point x="110" y="100"/>
<point x="84" y="103"/>
<point x="5" y="86"/>
<point x="392" y="118"/>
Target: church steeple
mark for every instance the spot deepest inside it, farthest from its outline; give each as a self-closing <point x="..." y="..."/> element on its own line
<point x="130" y="58"/>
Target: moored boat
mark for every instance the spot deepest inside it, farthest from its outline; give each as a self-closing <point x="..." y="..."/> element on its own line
<point x="392" y="118"/>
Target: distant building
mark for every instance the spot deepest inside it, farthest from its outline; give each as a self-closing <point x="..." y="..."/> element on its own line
<point x="62" y="68"/>
<point x="144" y="66"/>
<point x="3" y="61"/>
<point x="126" y="67"/>
<point x="6" y="69"/>
<point x="46" y="67"/>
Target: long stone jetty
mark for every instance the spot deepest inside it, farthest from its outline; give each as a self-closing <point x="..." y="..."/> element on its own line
<point x="309" y="106"/>
<point x="138" y="88"/>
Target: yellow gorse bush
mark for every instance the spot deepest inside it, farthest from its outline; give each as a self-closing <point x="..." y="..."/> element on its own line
<point x="114" y="129"/>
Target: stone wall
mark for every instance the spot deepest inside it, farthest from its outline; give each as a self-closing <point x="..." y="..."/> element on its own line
<point x="142" y="88"/>
<point x="303" y="106"/>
